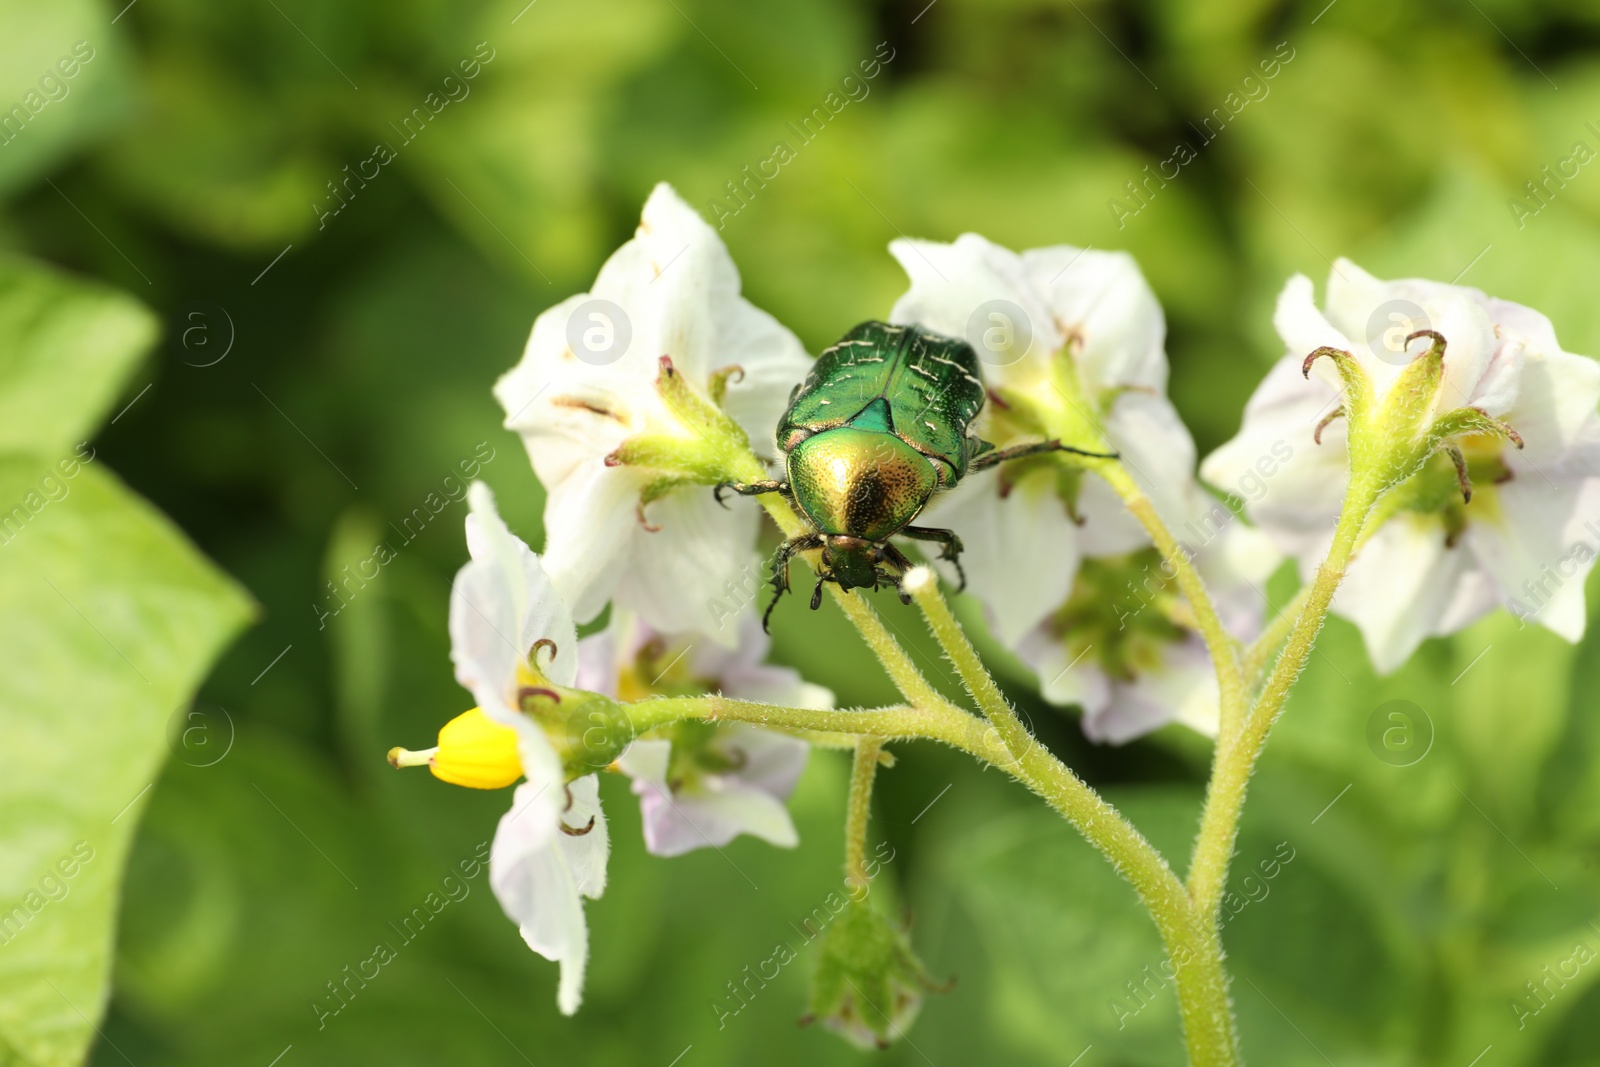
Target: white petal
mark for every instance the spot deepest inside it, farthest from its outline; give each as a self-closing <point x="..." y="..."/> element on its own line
<point x="483" y="629"/>
<point x="1470" y="350"/>
<point x="1157" y="450"/>
<point x="1539" y="547"/>
<point x="1290" y="485"/>
<point x="678" y="292"/>
<point x="586" y="853"/>
<point x="1183" y="690"/>
<point x="709" y="659"/>
<point x="1304" y="329"/>
<point x="674" y="825"/>
<point x="772" y="360"/>
<point x="949" y="284"/>
<point x="598" y="662"/>
<point x="541" y="875"/>
<point x="647" y="759"/>
<point x="1556" y="398"/>
<point x="1029" y="526"/>
<point x="1104" y="300"/>
<point x="1400" y="586"/>
<point x="1235" y="565"/>
<point x="591" y="523"/>
<point x="541" y="612"/>
<point x="773" y="761"/>
<point x="1065" y="677"/>
<point x="675" y="577"/>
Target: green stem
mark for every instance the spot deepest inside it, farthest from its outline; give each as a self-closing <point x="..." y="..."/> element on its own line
<point x="1230" y="778"/>
<point x="1260" y="654"/>
<point x="923" y="585"/>
<point x="1202" y="984"/>
<point x="1202" y="989"/>
<point x="894" y="658"/>
<point x="950" y="725"/>
<point x="1219" y="643"/>
<point x="859" y="811"/>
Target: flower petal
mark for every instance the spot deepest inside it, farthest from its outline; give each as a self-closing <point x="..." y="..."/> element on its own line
<point x="1290" y="485"/>
<point x="1066" y="676"/>
<point x="1540" y="546"/>
<point x="674" y="577"/>
<point x="951" y="282"/>
<point x="541" y="613"/>
<point x="1400" y="587"/>
<point x="647" y="760"/>
<point x="674" y="825"/>
<point x="1103" y="300"/>
<point x="1304" y="329"/>
<point x="1029" y="524"/>
<point x="541" y="875"/>
<point x="591" y="526"/>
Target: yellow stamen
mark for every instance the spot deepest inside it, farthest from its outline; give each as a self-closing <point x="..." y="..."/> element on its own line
<point x="477" y="752"/>
<point x="473" y="750"/>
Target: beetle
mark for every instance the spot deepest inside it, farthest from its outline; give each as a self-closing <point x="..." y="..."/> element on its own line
<point x="880" y="424"/>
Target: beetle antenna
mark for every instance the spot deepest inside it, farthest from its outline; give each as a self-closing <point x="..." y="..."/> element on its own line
<point x="816" y="594"/>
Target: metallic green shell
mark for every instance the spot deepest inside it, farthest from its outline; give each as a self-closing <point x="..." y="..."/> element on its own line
<point x="929" y="386"/>
<point x="854" y="482"/>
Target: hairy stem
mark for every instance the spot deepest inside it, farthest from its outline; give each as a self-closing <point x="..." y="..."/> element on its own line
<point x="1259" y="655"/>
<point x="1224" y="653"/>
<point x="1219" y="823"/>
<point x="1203" y="988"/>
<point x="890" y="653"/>
<point x="923" y="585"/>
<point x="859" y="811"/>
<point x="949" y="725"/>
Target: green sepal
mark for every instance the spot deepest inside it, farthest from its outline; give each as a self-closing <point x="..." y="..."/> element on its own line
<point x="1358" y="397"/>
<point x="707" y="454"/>
<point x="1467" y="422"/>
<point x="1409" y="405"/>
<point x="588" y="730"/>
<point x="718" y="387"/>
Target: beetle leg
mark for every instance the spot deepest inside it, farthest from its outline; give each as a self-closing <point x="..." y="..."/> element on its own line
<point x="750" y="489"/>
<point x="950" y="547"/>
<point x="780" y="568"/>
<point x="990" y="459"/>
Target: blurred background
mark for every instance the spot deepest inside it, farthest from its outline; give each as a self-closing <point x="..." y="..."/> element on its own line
<point x="315" y="365"/>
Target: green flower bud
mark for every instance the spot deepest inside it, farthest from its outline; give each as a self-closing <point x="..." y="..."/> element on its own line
<point x="868" y="984"/>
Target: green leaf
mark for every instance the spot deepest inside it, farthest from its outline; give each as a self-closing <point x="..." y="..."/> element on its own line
<point x="60" y="83"/>
<point x="66" y="350"/>
<point x="108" y="620"/>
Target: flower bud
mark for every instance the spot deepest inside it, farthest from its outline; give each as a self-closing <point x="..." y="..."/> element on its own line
<point x="868" y="984"/>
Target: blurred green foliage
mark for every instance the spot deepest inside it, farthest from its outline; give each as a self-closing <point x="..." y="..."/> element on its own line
<point x="321" y="373"/>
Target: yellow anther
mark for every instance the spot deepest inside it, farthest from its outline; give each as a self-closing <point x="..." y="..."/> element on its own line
<point x="474" y="751"/>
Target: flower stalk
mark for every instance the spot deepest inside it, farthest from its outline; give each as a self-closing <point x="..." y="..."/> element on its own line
<point x="858" y="813"/>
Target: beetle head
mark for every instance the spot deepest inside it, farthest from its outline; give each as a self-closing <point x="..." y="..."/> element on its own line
<point x="851" y="561"/>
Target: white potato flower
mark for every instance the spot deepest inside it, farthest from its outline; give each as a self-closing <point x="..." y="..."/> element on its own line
<point x="599" y="400"/>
